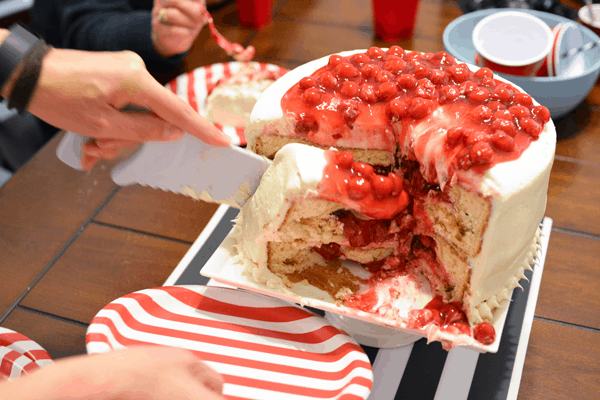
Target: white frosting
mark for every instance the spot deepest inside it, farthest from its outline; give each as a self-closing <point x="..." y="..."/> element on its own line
<point x="517" y="191"/>
<point x="294" y="174"/>
<point x="232" y="104"/>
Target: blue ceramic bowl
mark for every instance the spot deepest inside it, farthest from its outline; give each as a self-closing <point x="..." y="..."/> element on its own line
<point x="559" y="94"/>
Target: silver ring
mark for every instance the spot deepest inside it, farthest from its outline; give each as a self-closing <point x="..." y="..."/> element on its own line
<point x="162" y="16"/>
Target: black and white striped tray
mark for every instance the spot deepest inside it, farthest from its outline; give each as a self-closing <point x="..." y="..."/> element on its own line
<point x="418" y="370"/>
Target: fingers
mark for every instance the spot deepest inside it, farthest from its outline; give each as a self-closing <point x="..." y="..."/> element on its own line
<point x="170" y="107"/>
<point x="188" y="13"/>
<point x="206" y="376"/>
<point x="108" y="149"/>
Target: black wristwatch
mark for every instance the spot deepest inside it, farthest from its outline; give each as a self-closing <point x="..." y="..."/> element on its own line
<point x="14" y="48"/>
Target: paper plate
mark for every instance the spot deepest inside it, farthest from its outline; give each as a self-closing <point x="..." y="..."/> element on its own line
<point x="20" y="355"/>
<point x="263" y="347"/>
<point x="195" y="86"/>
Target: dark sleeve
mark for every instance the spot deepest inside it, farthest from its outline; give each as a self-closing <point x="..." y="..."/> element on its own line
<point x="101" y="25"/>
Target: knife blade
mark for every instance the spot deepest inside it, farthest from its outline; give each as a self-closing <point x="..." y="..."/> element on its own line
<point x="227" y="175"/>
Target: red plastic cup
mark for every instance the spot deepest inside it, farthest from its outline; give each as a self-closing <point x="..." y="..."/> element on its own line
<point x="254" y="14"/>
<point x="394" y="20"/>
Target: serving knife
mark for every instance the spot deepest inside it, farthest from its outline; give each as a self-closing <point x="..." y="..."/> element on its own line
<point x="227" y="175"/>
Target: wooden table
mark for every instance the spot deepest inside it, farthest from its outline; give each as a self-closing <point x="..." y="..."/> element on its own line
<point x="71" y="242"/>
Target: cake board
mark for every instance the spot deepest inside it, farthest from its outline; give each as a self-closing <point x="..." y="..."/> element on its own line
<point x="416" y="370"/>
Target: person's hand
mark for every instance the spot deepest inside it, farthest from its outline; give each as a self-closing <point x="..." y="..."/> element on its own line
<point x="83" y="92"/>
<point x="140" y="373"/>
<point x="176" y="24"/>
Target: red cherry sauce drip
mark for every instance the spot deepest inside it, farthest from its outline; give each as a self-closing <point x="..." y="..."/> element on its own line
<point x="357" y="186"/>
<point x="450" y="317"/>
<point x="355" y="101"/>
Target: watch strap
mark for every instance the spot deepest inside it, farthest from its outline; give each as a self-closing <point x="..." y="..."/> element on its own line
<point x="14" y="48"/>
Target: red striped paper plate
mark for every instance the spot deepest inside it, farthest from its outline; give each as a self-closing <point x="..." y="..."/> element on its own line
<point x="195" y="86"/>
<point x="264" y="348"/>
<point x="20" y="355"/>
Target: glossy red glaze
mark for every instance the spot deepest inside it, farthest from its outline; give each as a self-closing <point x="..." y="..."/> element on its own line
<point x="374" y="99"/>
<point x="350" y="183"/>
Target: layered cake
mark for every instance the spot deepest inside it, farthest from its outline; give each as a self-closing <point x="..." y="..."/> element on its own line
<point x="234" y="96"/>
<point x="430" y="175"/>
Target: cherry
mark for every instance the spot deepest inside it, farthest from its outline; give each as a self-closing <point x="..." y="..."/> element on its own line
<point x="502" y="141"/>
<point x="502" y="114"/>
<point x="459" y="72"/>
<point x="395" y="66"/>
<point x="396" y="109"/>
<point x="375" y="53"/>
<point x="420" y="71"/>
<point x="496" y="106"/>
<point x="349" y="110"/>
<point x="364" y="170"/>
<point x="481" y="153"/>
<point x="467" y="87"/>
<point x="334" y="60"/>
<point x="407" y="81"/>
<point x="442" y="59"/>
<point x="479" y="95"/>
<point x="368" y="93"/>
<point x="484" y="333"/>
<point x="541" y="113"/>
<point x="420" y="108"/>
<point x="454" y="135"/>
<point x="397" y="181"/>
<point x="361" y="58"/>
<point x="438" y="77"/>
<point x="307" y="82"/>
<point x="484" y="73"/>
<point x="396" y="50"/>
<point x="464" y="162"/>
<point x="531" y="126"/>
<point x="488" y="82"/>
<point x="312" y="96"/>
<point x="481" y="113"/>
<point x="327" y="80"/>
<point x="451" y="314"/>
<point x="369" y="71"/>
<point x="450" y="93"/>
<point x="387" y="91"/>
<point x="384" y="76"/>
<point x="505" y="125"/>
<point x="522" y="99"/>
<point x="425" y="89"/>
<point x="413" y="55"/>
<point x="426" y="241"/>
<point x="382" y="186"/>
<point x="473" y="136"/>
<point x="349" y="88"/>
<point x="345" y="71"/>
<point x="345" y="160"/>
<point x="329" y="251"/>
<point x="519" y="111"/>
<point x="358" y="187"/>
<point x="502" y="94"/>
